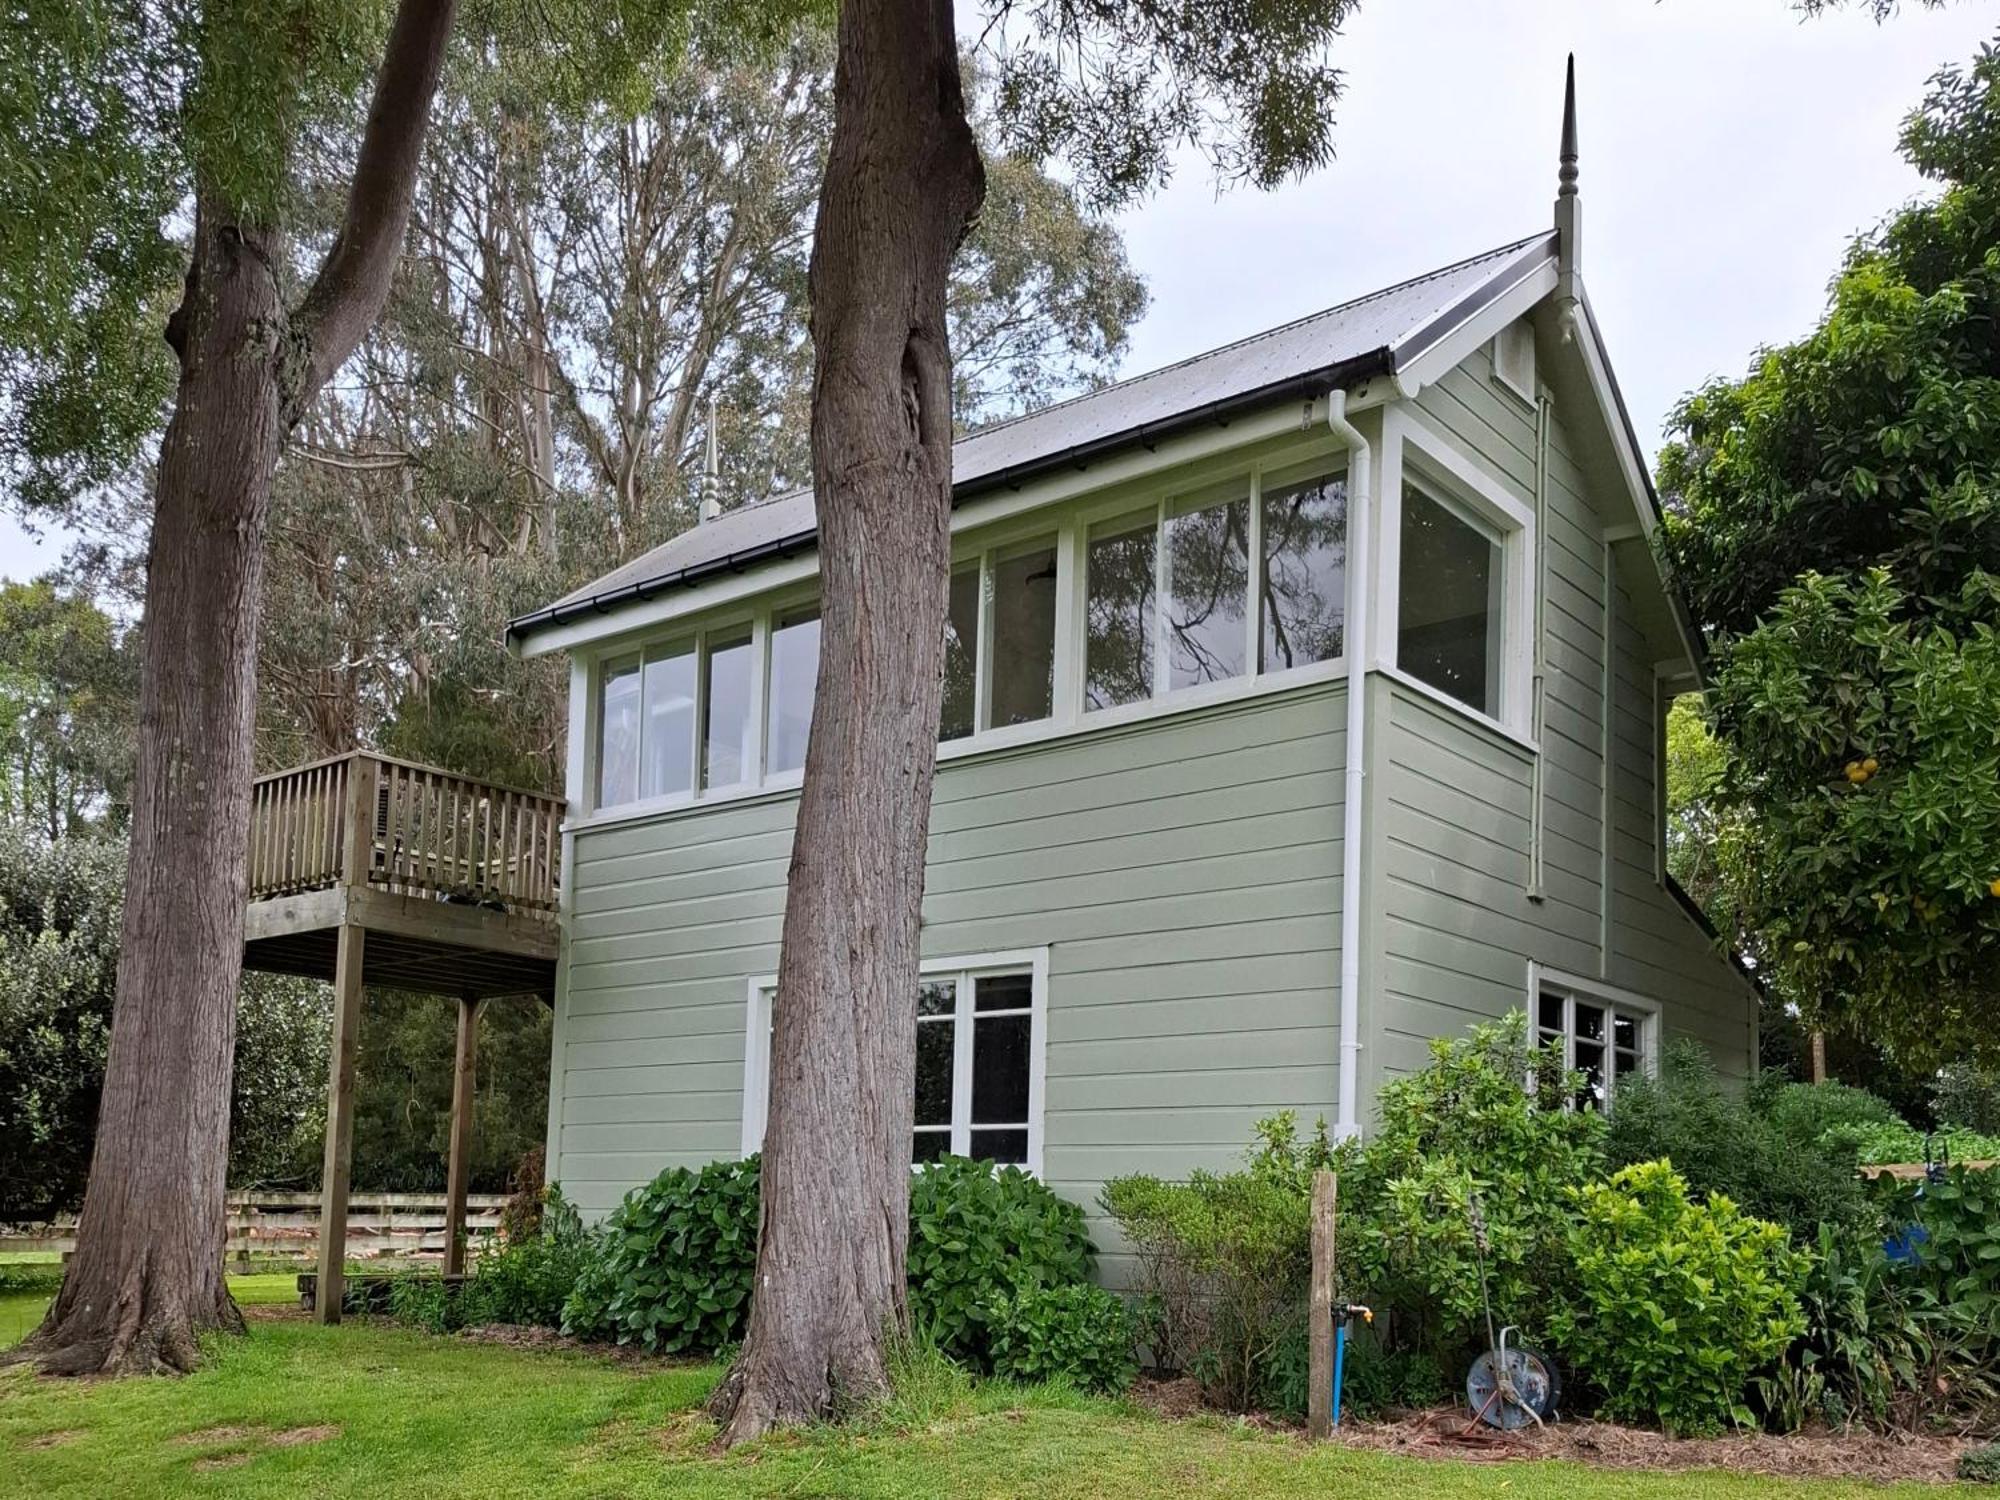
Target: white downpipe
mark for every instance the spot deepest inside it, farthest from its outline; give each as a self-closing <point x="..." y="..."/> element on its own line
<point x="1360" y="562"/>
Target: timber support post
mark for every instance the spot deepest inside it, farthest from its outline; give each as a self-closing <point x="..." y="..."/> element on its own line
<point x="338" y="1173"/>
<point x="459" y="1167"/>
<point x="1319" y="1337"/>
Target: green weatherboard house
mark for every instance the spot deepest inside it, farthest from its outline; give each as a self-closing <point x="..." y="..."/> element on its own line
<point x="1304" y="702"/>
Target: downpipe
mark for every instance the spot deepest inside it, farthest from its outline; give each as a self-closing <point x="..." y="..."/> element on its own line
<point x="1360" y="559"/>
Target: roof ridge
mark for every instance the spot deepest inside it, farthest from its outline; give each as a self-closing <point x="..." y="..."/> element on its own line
<point x="1262" y="333"/>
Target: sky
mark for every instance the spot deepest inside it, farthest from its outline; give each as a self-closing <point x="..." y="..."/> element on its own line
<point x="1729" y="152"/>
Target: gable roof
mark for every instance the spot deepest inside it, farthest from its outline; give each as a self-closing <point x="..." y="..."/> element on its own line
<point x="1375" y="334"/>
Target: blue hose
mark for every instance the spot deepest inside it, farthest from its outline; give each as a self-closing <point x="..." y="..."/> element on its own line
<point x="1339" y="1363"/>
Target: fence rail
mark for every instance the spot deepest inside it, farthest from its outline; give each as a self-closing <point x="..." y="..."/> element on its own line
<point x="262" y="1226"/>
<point x="366" y="819"/>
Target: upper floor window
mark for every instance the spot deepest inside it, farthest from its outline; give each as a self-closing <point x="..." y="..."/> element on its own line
<point x="794" y="673"/>
<point x="1450" y="623"/>
<point x="1172" y="600"/>
<point x="1000" y="640"/>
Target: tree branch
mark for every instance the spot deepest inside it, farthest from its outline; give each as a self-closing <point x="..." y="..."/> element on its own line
<point x="353" y="281"/>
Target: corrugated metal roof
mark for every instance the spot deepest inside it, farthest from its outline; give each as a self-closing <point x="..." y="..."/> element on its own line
<point x="1319" y="347"/>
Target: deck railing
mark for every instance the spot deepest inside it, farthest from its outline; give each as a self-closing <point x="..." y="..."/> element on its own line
<point x="367" y="819"/>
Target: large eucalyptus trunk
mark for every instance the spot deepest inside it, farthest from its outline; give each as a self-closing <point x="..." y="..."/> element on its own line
<point x="147" y="1277"/>
<point x="903" y="180"/>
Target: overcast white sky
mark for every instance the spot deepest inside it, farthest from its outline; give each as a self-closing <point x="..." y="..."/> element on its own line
<point x="1729" y="152"/>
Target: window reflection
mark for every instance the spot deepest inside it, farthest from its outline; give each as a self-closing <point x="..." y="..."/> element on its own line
<point x="1305" y="572"/>
<point x="794" y="671"/>
<point x="1208" y="585"/>
<point x="1448" y="630"/>
<point x="1024" y="638"/>
<point x="728" y="744"/>
<point x="1118" y="613"/>
<point x="961" y="655"/>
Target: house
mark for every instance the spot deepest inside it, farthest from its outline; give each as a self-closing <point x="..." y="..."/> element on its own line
<point x="1304" y="702"/>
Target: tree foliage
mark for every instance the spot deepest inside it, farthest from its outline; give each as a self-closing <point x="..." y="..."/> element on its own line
<point x="68" y="686"/>
<point x="1835" y="520"/>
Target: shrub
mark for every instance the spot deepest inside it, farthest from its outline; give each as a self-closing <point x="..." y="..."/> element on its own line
<point x="1462" y="1128"/>
<point x="1803" y="1113"/>
<point x="673" y="1266"/>
<point x="1968" y="1098"/>
<point x="978" y="1234"/>
<point x="425" y="1301"/>
<point x="529" y="1281"/>
<point x="1078" y="1333"/>
<point x="1980" y="1465"/>
<point x="1878" y="1145"/>
<point x="1676" y="1304"/>
<point x="1721" y="1145"/>
<point x="1224" y="1261"/>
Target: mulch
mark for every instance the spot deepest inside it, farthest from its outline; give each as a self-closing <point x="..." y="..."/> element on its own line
<point x="1441" y="1432"/>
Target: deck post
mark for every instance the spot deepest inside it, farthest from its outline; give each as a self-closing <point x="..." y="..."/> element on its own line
<point x="338" y="1173"/>
<point x="459" y="1166"/>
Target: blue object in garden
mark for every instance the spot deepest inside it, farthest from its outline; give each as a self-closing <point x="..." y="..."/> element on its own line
<point x="1343" y="1314"/>
<point x="1907" y="1248"/>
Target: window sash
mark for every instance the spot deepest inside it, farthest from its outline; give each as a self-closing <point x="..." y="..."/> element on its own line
<point x="1643" y="1021"/>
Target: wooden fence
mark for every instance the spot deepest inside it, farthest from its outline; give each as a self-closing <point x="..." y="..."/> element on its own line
<point x="285" y="1226"/>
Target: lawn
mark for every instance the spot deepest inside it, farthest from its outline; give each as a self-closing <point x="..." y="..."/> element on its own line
<point x="372" y="1411"/>
<point x="21" y="1312"/>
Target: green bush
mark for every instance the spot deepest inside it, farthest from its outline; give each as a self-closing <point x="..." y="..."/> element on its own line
<point x="1079" y="1333"/>
<point x="1462" y="1128"/>
<point x="424" y="1301"/>
<point x="1803" y="1113"/>
<point x="673" y="1265"/>
<point x="978" y="1234"/>
<point x="1720" y="1144"/>
<point x="1881" y="1144"/>
<point x="1224" y="1261"/>
<point x="1676" y="1304"/>
<point x="1980" y="1465"/>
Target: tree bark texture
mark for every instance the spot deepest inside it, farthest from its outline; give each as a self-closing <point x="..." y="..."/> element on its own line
<point x="903" y="181"/>
<point x="147" y="1277"/>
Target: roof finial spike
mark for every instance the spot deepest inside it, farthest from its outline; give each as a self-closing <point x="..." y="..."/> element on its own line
<point x="1566" y="176"/>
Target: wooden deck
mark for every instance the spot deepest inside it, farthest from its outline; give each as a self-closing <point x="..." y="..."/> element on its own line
<point x="454" y="880"/>
<point x="370" y="871"/>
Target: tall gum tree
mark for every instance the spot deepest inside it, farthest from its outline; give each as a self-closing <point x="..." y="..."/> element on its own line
<point x="1115" y="88"/>
<point x="147" y="1276"/>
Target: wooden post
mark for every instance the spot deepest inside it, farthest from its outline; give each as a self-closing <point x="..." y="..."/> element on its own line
<point x="459" y="1167"/>
<point x="1319" y="1399"/>
<point x="338" y="1173"/>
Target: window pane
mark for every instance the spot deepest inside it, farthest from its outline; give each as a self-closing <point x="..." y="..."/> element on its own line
<point x="1590" y="1063"/>
<point x="1589" y="1023"/>
<point x="669" y="741"/>
<point x="794" y="668"/>
<point x="937" y="997"/>
<point x="1000" y="1070"/>
<point x="618" y="734"/>
<point x="1208" y="584"/>
<point x="1003" y="991"/>
<point x="1305" y="573"/>
<point x="1024" y="638"/>
<point x="1004" y="1146"/>
<point x="934" y="1064"/>
<point x="1449" y="631"/>
<point x="1552" y="1014"/>
<point x="961" y="654"/>
<point x="1625" y="1032"/>
<point x="1118" y="615"/>
<point x="930" y="1145"/>
<point x="727" y="742"/>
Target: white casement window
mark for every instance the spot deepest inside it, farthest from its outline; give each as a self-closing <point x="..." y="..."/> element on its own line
<point x="1605" y="1034"/>
<point x="979" y="1044"/>
<point x="1173" y="599"/>
<point x="1451" y="621"/>
<point x="1000" y="640"/>
<point x="679" y="716"/>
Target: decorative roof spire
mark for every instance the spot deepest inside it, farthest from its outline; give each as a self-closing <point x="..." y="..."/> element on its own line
<point x="1569" y="216"/>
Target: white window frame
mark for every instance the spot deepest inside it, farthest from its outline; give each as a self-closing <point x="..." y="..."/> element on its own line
<point x="1069" y="527"/>
<point x="1437" y="466"/>
<point x="966" y="969"/>
<point x="1543" y="981"/>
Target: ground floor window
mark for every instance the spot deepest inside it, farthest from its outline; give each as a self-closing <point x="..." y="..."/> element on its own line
<point x="980" y="1037"/>
<point x="1603" y="1036"/>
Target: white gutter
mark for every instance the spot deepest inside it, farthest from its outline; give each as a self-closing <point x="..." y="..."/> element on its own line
<point x="1360" y="502"/>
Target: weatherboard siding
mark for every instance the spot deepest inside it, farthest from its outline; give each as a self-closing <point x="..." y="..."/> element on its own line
<point x="1183" y="873"/>
<point x="1451" y="825"/>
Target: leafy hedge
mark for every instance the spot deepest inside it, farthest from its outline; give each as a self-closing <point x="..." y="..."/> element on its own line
<point x="1078" y="1333"/>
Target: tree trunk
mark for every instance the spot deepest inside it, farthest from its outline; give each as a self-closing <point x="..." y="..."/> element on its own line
<point x="147" y="1275"/>
<point x="903" y="180"/>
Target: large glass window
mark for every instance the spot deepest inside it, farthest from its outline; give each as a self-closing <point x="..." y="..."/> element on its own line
<point x="975" y="1046"/>
<point x="618" y="733"/>
<point x="1304" y="614"/>
<point x="794" y="671"/>
<point x="668" y="747"/>
<point x="1208" y="588"/>
<point x="1023" y="661"/>
<point x="729" y="741"/>
<point x="959" y="715"/>
<point x="1448" y="630"/>
<point x="1118" y="612"/>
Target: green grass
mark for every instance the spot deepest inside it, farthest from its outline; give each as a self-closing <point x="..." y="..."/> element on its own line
<point x="411" y="1415"/>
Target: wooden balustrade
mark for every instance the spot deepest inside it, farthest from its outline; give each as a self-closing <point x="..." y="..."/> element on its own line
<point x="366" y="819"/>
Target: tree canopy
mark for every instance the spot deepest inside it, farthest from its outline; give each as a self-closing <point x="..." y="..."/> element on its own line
<point x="1835" y="520"/>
